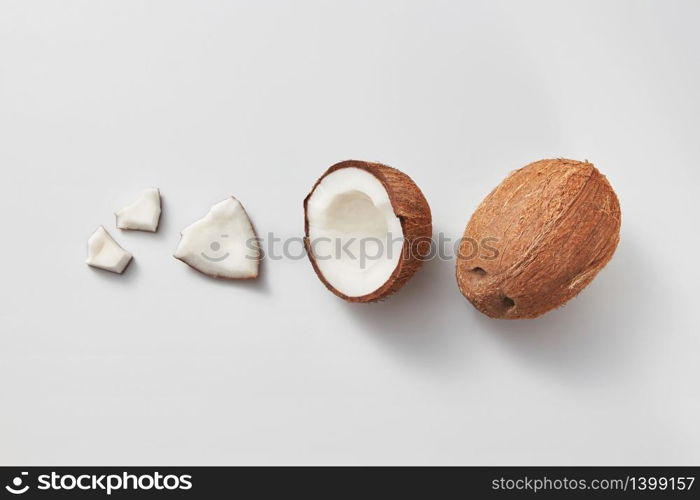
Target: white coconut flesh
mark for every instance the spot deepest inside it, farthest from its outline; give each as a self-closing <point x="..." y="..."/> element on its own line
<point x="355" y="236"/>
<point x="105" y="253"/>
<point x="222" y="244"/>
<point x="143" y="214"/>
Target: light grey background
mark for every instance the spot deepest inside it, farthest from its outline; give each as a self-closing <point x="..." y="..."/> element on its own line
<point x="99" y="99"/>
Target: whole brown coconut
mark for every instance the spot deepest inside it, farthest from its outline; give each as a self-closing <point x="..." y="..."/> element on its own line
<point x="538" y="239"/>
<point x="407" y="208"/>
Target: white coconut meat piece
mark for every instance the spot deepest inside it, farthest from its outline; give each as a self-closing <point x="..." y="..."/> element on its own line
<point x="105" y="253"/>
<point x="223" y="244"/>
<point x="143" y="214"/>
<point x="355" y="236"/>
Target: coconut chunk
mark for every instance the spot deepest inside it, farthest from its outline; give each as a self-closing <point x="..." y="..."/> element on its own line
<point x="365" y="223"/>
<point x="143" y="214"/>
<point x="105" y="253"/>
<point x="222" y="244"/>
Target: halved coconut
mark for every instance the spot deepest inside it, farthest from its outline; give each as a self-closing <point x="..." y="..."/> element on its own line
<point x="143" y="214"/>
<point x="105" y="253"/>
<point x="222" y="244"/>
<point x="367" y="229"/>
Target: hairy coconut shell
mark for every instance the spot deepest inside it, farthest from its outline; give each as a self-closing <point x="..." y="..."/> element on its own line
<point x="538" y="239"/>
<point x="412" y="209"/>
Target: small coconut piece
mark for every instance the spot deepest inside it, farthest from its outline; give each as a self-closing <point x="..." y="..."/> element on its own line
<point x="143" y="214"/>
<point x="105" y="253"/>
<point x="538" y="239"/>
<point x="367" y="229"/>
<point x="222" y="244"/>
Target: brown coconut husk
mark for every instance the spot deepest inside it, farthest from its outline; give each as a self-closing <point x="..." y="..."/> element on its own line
<point x="554" y="224"/>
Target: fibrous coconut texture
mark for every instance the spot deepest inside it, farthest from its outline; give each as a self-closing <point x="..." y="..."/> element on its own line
<point x="222" y="244"/>
<point x="143" y="214"/>
<point x="105" y="253"/>
<point x="538" y="239"/>
<point x="367" y="229"/>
